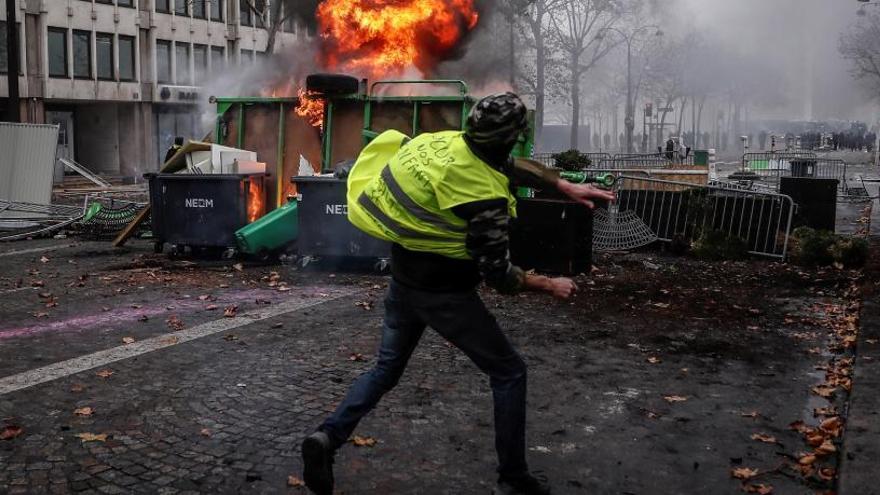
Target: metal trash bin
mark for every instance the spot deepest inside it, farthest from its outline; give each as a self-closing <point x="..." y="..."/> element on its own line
<point x="203" y="211"/>
<point x="552" y="235"/>
<point x="324" y="229"/>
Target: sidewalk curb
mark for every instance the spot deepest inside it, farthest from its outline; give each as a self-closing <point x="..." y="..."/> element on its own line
<point x="861" y="445"/>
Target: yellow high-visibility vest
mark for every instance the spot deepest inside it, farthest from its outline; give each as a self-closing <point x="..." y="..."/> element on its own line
<point x="403" y="190"/>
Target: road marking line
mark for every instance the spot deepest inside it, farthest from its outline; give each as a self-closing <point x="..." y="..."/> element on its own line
<point x="63" y="369"/>
<point x="36" y="250"/>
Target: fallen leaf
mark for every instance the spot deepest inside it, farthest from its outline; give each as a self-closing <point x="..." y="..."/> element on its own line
<point x="230" y="311"/>
<point x="174" y="322"/>
<point x="128" y="340"/>
<point x="10" y="431"/>
<point x="204" y="297"/>
<point x="104" y="373"/>
<point x="653" y="360"/>
<point x="278" y="325"/>
<point x="205" y="432"/>
<point x="238" y="267"/>
<point x="367" y="305"/>
<point x="44" y="259"/>
<point x="77" y="387"/>
<point x="743" y="473"/>
<point x="832" y="426"/>
<point x="356" y="356"/>
<point x="84" y="411"/>
<point x="44" y="295"/>
<point x="761" y="437"/>
<point x="170" y="340"/>
<point x="674" y="398"/>
<point x="91" y="437"/>
<point x="827" y="473"/>
<point x="360" y="441"/>
<point x="143" y="318"/>
<point x="826" y="448"/>
<point x="825" y="391"/>
<point x="39" y="314"/>
<point x="229" y="337"/>
<point x="211" y="307"/>
<point x="806" y="459"/>
<point x="753" y="414"/>
<point x="759" y="488"/>
<point x="294" y="481"/>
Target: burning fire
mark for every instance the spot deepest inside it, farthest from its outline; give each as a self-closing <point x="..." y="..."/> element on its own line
<point x="377" y="38"/>
<point x="256" y="200"/>
<point x="310" y="108"/>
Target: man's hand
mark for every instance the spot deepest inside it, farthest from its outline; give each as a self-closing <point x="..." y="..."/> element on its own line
<point x="560" y="288"/>
<point x="583" y="193"/>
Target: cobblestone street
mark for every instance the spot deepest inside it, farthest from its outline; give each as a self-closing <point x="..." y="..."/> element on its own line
<point x="652" y="380"/>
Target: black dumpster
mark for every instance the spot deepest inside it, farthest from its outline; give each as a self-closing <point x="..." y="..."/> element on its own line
<point x="202" y="211"/>
<point x="816" y="201"/>
<point x="552" y="235"/>
<point x="324" y="229"/>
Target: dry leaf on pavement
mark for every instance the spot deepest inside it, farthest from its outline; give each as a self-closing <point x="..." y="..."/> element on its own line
<point x="84" y="411"/>
<point x="44" y="259"/>
<point x="205" y="432"/>
<point x="674" y="398"/>
<point x="827" y="473"/>
<point x="760" y="488"/>
<point x="104" y="373"/>
<point x="743" y="473"/>
<point x="10" y="431"/>
<point x="827" y="447"/>
<point x="174" y="323"/>
<point x="230" y="311"/>
<point x="653" y="360"/>
<point x="356" y="356"/>
<point x="128" y="340"/>
<point x="806" y="459"/>
<point x="294" y="481"/>
<point x="92" y="437"/>
<point x="761" y="437"/>
<point x="170" y="340"/>
<point x="77" y="387"/>
<point x="360" y="441"/>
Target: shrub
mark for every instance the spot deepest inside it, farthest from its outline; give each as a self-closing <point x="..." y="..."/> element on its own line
<point x="851" y="252"/>
<point x="718" y="245"/>
<point x="571" y="160"/>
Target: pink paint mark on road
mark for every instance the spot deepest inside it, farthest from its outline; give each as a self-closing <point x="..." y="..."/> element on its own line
<point x="125" y="315"/>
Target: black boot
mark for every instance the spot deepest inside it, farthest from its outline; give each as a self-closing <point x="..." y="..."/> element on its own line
<point x="522" y="485"/>
<point x="317" y="454"/>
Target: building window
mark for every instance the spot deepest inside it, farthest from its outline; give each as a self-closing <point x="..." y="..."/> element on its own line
<point x="180" y="7"/>
<point x="104" y="55"/>
<point x="289" y="25"/>
<point x="245" y="13"/>
<point x="200" y="61"/>
<point x="163" y="6"/>
<point x="57" y="52"/>
<point x="82" y="54"/>
<point x="261" y="7"/>
<point x="125" y="3"/>
<point x="163" y="61"/>
<point x="126" y="58"/>
<point x="109" y="2"/>
<point x="181" y="58"/>
<point x="216" y="10"/>
<point x="199" y="9"/>
<point x="4" y="62"/>
<point x="247" y="56"/>
<point x="218" y="61"/>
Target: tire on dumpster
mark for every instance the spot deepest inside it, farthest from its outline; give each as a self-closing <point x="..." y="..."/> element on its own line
<point x="332" y="84"/>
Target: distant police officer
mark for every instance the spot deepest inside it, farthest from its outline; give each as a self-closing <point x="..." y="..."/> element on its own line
<point x="444" y="201"/>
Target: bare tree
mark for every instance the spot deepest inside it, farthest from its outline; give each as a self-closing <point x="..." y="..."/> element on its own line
<point x="534" y="16"/>
<point x="861" y="45"/>
<point x="576" y="29"/>
<point x="272" y="14"/>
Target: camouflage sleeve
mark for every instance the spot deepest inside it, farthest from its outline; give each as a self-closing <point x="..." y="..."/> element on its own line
<point x="488" y="244"/>
<point x="529" y="173"/>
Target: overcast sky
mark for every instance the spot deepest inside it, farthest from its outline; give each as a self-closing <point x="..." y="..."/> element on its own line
<point x="799" y="36"/>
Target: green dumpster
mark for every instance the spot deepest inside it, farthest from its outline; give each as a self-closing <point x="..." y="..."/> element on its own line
<point x="270" y="233"/>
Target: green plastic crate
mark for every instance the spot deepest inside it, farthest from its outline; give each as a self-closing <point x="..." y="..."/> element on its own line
<point x="270" y="233"/>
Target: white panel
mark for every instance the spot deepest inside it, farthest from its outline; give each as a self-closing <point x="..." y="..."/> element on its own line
<point x="27" y="162"/>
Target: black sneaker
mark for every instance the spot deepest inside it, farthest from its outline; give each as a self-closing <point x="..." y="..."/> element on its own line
<point x="317" y="457"/>
<point x="522" y="485"/>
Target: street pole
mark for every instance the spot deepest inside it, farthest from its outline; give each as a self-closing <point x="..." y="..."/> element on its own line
<point x="630" y="110"/>
<point x="13" y="113"/>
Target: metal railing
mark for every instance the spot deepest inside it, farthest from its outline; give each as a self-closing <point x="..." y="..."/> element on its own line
<point x="680" y="211"/>
<point x="772" y="166"/>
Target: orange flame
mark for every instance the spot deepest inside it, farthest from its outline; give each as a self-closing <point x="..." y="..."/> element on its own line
<point x="378" y="38"/>
<point x="311" y="108"/>
<point x="256" y="200"/>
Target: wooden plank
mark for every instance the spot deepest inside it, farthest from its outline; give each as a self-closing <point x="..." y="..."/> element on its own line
<point x="132" y="226"/>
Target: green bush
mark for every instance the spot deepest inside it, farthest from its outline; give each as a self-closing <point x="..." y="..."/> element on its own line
<point x="851" y="252"/>
<point x="718" y="245"/>
<point x="822" y="248"/>
<point x="571" y="160"/>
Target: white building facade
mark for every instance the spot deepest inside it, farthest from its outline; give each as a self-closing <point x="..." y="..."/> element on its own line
<point x="124" y="77"/>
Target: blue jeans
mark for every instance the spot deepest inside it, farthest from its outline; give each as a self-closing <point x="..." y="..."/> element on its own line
<point x="463" y="320"/>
